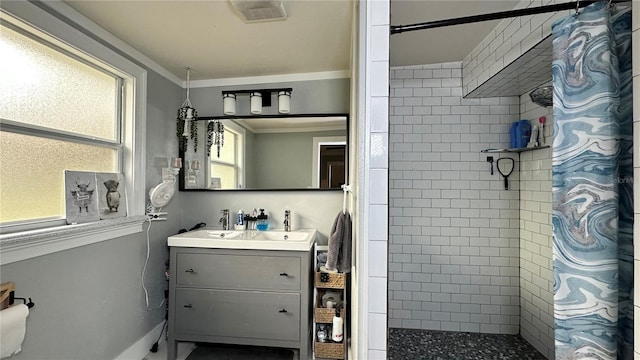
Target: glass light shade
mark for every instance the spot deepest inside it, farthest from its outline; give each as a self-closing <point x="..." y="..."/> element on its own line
<point x="176" y="163"/>
<point x="284" y="102"/>
<point x="256" y="103"/>
<point x="229" y="104"/>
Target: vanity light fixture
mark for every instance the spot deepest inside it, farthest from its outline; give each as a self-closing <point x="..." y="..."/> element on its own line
<point x="258" y="99"/>
<point x="229" y="103"/>
<point x="256" y="103"/>
<point x="284" y="101"/>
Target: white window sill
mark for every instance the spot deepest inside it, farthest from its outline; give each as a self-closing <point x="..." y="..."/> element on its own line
<point x="29" y="244"/>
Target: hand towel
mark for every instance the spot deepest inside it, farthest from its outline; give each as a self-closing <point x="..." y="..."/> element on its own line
<point x="339" y="252"/>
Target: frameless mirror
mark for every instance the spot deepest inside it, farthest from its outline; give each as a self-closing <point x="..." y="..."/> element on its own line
<point x="268" y="152"/>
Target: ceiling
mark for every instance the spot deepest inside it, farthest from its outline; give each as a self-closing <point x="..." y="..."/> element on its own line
<point x="210" y="38"/>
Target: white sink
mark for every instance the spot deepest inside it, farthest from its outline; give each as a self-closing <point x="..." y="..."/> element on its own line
<point x="298" y="240"/>
<point x="224" y="234"/>
<point x="278" y="235"/>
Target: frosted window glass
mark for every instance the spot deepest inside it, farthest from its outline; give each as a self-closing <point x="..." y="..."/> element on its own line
<point x="45" y="87"/>
<point x="227" y="175"/>
<point x="32" y="173"/>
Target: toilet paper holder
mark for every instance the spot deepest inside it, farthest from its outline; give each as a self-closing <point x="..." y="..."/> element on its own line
<point x="8" y="298"/>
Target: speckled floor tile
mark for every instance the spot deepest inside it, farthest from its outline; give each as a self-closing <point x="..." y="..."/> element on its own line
<point x="409" y="344"/>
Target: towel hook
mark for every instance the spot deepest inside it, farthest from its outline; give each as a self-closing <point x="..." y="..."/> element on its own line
<point x="345" y="190"/>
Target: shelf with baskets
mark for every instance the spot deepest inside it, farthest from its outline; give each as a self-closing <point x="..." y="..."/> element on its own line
<point x="330" y="293"/>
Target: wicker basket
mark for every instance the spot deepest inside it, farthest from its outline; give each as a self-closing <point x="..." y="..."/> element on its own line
<point x="329" y="350"/>
<point x="336" y="281"/>
<point x="323" y="315"/>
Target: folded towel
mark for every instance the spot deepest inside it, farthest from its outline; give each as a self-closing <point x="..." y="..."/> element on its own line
<point x="339" y="253"/>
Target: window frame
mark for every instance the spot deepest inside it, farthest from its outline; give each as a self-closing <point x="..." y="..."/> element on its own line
<point x="65" y="27"/>
<point x="40" y="131"/>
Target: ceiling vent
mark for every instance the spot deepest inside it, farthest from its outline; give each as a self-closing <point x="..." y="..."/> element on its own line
<point x="260" y="10"/>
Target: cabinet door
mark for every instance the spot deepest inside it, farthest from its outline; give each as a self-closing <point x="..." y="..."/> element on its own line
<point x="238" y="271"/>
<point x="243" y="314"/>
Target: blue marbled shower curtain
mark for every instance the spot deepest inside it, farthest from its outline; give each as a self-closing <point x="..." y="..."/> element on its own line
<point x="593" y="184"/>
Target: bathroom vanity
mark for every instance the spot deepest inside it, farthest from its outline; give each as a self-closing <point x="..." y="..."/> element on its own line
<point x="242" y="287"/>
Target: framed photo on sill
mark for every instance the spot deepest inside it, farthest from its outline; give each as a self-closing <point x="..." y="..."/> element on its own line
<point x="112" y="198"/>
<point x="80" y="196"/>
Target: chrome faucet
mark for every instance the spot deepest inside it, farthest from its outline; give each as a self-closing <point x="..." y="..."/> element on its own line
<point x="224" y="220"/>
<point x="287" y="220"/>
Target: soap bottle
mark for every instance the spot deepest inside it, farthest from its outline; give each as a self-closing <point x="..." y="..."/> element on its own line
<point x="262" y="221"/>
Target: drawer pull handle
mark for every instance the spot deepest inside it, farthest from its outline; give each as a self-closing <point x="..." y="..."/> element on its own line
<point x="188" y="306"/>
<point x="284" y="274"/>
<point x="189" y="271"/>
<point x="283" y="311"/>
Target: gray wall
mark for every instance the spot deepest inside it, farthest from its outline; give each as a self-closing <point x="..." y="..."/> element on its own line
<point x="453" y="234"/>
<point x="307" y="97"/>
<point x="283" y="160"/>
<point x="89" y="300"/>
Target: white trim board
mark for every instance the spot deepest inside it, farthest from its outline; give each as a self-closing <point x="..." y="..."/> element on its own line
<point x="140" y="348"/>
<point x="30" y="244"/>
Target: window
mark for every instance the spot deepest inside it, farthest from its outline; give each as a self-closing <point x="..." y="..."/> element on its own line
<point x="58" y="113"/>
<point x="227" y="170"/>
<point x="62" y="109"/>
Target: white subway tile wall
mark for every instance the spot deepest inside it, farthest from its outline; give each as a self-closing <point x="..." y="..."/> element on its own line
<point x="453" y="228"/>
<point x="510" y="39"/>
<point x="376" y="125"/>
<point x="536" y="264"/>
<point x="636" y="164"/>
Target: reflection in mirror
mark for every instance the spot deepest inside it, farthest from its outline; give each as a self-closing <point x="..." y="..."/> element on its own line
<point x="328" y="165"/>
<point x="271" y="152"/>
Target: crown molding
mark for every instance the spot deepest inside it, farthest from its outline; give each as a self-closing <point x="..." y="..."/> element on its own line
<point x="72" y="16"/>
<point x="84" y="24"/>
<point x="268" y="79"/>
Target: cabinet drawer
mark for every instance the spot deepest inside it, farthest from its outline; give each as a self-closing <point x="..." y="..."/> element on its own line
<point x="242" y="314"/>
<point x="238" y="271"/>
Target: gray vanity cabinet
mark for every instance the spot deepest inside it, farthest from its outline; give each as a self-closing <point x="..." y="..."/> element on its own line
<point x="246" y="297"/>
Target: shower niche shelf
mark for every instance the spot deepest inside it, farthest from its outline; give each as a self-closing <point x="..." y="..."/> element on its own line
<point x="515" y="150"/>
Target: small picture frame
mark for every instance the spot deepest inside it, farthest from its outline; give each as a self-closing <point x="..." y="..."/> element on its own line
<point x="216" y="183"/>
<point x="80" y="195"/>
<point x="112" y="198"/>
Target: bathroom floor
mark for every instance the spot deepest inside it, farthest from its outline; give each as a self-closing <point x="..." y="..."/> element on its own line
<point x="184" y="349"/>
<point x="409" y="344"/>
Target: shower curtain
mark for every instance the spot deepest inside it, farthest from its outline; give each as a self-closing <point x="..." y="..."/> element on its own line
<point x="592" y="184"/>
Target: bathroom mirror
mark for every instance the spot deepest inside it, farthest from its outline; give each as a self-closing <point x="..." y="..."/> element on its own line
<point x="268" y="152"/>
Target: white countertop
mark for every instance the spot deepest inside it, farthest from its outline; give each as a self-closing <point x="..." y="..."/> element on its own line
<point x="296" y="240"/>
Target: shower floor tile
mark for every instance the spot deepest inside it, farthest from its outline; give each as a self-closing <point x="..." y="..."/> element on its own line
<point x="405" y="344"/>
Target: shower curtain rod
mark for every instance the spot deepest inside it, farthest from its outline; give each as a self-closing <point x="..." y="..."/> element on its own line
<point x="396" y="29"/>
